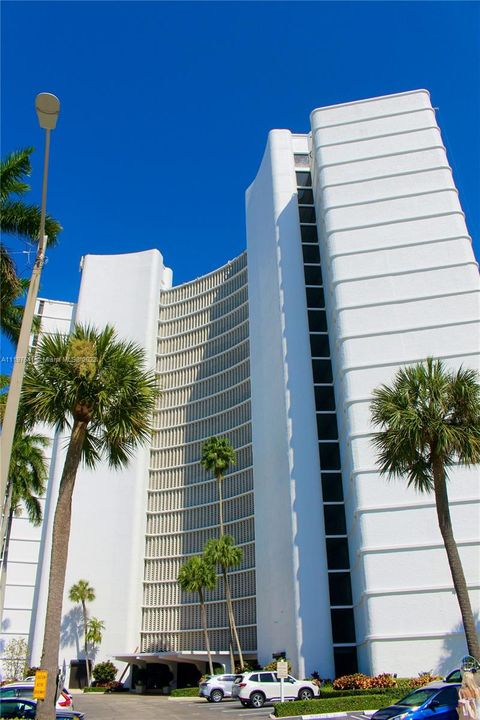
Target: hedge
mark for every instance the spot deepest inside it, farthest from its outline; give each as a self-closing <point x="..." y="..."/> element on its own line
<point x="185" y="692"/>
<point x="335" y="704"/>
<point x="95" y="689"/>
<point x="329" y="692"/>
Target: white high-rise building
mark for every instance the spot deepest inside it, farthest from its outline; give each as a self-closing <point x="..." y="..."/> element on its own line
<point x="358" y="261"/>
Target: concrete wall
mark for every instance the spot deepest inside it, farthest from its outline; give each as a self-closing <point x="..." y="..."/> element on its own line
<point x="292" y="590"/>
<point x="108" y="513"/>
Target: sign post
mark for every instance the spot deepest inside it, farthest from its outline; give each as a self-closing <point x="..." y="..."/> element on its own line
<point x="282" y="672"/>
<point x="40" y="687"/>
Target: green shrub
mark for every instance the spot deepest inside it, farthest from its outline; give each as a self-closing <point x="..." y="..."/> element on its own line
<point x="335" y="704"/>
<point x="329" y="692"/>
<point x="185" y="692"/>
<point x="104" y="672"/>
<point x="95" y="689"/>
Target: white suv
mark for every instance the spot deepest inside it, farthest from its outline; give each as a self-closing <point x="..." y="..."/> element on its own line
<point x="256" y="688"/>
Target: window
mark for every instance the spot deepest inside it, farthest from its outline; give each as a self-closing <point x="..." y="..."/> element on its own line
<point x="448" y="696"/>
<point x="309" y="233"/>
<point x="345" y="659"/>
<point x="334" y="520"/>
<point x="327" y="426"/>
<point x="317" y="320"/>
<point x="324" y="397"/>
<point x="311" y="253"/>
<point x="302" y="160"/>
<point x="254" y="678"/>
<point x="340" y="588"/>
<point x="322" y="371"/>
<point x="315" y="297"/>
<point x="307" y="214"/>
<point x="343" y="626"/>
<point x="329" y="456"/>
<point x="332" y="489"/>
<point x="304" y="179"/>
<point x="305" y="196"/>
<point x="313" y="275"/>
<point x="266" y="677"/>
<point x="337" y="554"/>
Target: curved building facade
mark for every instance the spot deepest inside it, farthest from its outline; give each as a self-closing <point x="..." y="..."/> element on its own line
<point x="203" y="362"/>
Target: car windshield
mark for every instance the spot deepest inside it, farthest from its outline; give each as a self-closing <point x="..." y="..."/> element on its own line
<point x="417" y="698"/>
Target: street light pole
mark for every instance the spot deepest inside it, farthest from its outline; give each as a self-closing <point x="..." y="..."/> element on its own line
<point x="47" y="107"/>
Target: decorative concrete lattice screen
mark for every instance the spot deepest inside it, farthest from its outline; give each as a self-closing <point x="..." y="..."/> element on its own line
<point x="203" y="362"/>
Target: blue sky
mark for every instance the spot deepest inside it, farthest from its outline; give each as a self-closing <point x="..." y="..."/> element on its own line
<point x="166" y="108"/>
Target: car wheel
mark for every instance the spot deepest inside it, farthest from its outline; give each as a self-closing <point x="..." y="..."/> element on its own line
<point x="257" y="699"/>
<point x="209" y="699"/>
<point x="216" y="695"/>
<point x="305" y="694"/>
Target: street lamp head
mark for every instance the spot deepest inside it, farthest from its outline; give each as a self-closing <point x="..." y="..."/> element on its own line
<point x="47" y="107"/>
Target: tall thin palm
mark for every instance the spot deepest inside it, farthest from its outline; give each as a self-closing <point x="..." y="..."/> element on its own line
<point x="96" y="386"/>
<point x="26" y="483"/>
<point x="95" y="628"/>
<point x="217" y="456"/>
<point x="226" y="554"/>
<point x="82" y="592"/>
<point x="196" y="575"/>
<point x="430" y="421"/>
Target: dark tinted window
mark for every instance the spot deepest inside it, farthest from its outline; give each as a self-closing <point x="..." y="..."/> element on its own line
<point x="322" y="371"/>
<point x="307" y="214"/>
<point x="327" y="426"/>
<point x="345" y="659"/>
<point x="313" y="275"/>
<point x="315" y="297"/>
<point x="320" y="347"/>
<point x="309" y="233"/>
<point x="340" y="588"/>
<point x="254" y="678"/>
<point x="337" y="554"/>
<point x="266" y="677"/>
<point x="329" y="456"/>
<point x="454" y="677"/>
<point x="304" y="179"/>
<point x="332" y="489"/>
<point x="311" y="253"/>
<point x="343" y="626"/>
<point x="305" y="197"/>
<point x="334" y="520"/>
<point x="317" y="321"/>
<point x="448" y="696"/>
<point x="324" y="397"/>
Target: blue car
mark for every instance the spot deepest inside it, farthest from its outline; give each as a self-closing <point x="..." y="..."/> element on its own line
<point x="428" y="703"/>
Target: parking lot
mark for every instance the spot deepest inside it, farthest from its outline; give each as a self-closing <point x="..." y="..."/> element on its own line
<point x="127" y="706"/>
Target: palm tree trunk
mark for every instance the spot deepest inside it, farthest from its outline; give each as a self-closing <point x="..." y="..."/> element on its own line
<point x="220" y="506"/>
<point x="231" y="617"/>
<point x="85" y="621"/>
<point x="458" y="576"/>
<point x="58" y="565"/>
<point x="205" y="630"/>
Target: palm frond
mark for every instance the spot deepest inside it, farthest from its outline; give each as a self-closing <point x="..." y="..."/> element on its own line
<point x="13" y="170"/>
<point x="19" y="218"/>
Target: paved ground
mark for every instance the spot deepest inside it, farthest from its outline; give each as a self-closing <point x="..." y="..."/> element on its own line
<point x="128" y="706"/>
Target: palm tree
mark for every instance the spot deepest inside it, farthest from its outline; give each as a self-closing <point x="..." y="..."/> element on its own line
<point x="95" y="628"/>
<point x="26" y="483"/>
<point x="96" y="386"/>
<point x="217" y="456"/>
<point x="16" y="216"/>
<point x="196" y="575"/>
<point x="430" y="420"/>
<point x="226" y="554"/>
<point x="82" y="592"/>
<point x="19" y="219"/>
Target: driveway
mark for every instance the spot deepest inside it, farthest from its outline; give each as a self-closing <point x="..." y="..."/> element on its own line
<point x="128" y="706"/>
